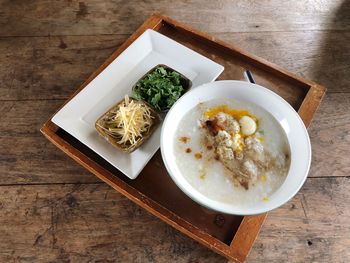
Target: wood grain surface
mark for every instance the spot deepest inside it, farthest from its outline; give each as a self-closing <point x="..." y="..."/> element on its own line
<point x="93" y="223"/>
<point x="65" y="214"/>
<point x="76" y="17"/>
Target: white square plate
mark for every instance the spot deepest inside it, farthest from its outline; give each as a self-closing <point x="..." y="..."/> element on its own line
<point x="79" y="115"/>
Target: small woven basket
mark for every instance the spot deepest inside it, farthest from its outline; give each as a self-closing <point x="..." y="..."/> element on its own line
<point x="128" y="148"/>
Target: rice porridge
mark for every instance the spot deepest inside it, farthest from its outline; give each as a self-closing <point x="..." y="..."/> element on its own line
<point x="232" y="151"/>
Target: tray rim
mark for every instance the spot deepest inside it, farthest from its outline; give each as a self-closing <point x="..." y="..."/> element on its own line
<point x="250" y="226"/>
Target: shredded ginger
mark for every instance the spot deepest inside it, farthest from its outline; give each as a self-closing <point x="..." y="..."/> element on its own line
<point x="130" y="121"/>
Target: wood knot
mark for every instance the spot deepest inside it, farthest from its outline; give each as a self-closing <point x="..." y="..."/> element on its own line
<point x="219" y="220"/>
<point x="62" y="45"/>
<point x="72" y="201"/>
<point x="83" y="10"/>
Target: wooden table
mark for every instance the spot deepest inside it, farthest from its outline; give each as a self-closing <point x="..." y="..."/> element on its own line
<point x="52" y="210"/>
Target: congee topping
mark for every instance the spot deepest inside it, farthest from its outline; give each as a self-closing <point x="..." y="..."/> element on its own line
<point x="248" y="125"/>
<point x="232" y="132"/>
<point x="198" y="156"/>
<point x="184" y="139"/>
<point x="240" y="152"/>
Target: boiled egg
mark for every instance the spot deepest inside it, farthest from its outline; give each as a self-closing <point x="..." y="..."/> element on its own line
<point x="248" y="125"/>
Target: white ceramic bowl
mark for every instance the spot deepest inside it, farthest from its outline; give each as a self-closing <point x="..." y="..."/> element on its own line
<point x="289" y="119"/>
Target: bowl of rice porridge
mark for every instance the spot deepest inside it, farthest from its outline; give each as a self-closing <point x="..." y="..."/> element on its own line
<point x="235" y="147"/>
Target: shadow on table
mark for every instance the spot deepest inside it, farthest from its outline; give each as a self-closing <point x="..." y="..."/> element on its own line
<point x="333" y="69"/>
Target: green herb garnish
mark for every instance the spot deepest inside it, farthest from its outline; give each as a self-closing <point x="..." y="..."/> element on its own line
<point x="161" y="88"/>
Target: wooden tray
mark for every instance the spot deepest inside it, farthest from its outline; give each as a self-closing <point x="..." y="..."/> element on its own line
<point x="228" y="235"/>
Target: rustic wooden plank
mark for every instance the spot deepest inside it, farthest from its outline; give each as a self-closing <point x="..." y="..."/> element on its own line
<point x="330" y="137"/>
<point x="320" y="56"/>
<point x="25" y="153"/>
<point x="313" y="227"/>
<point x="50" y="67"/>
<point x="53" y="67"/>
<point x="27" y="160"/>
<point x="25" y="118"/>
<point x="84" y="223"/>
<point x="76" y="17"/>
<point x="93" y="222"/>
